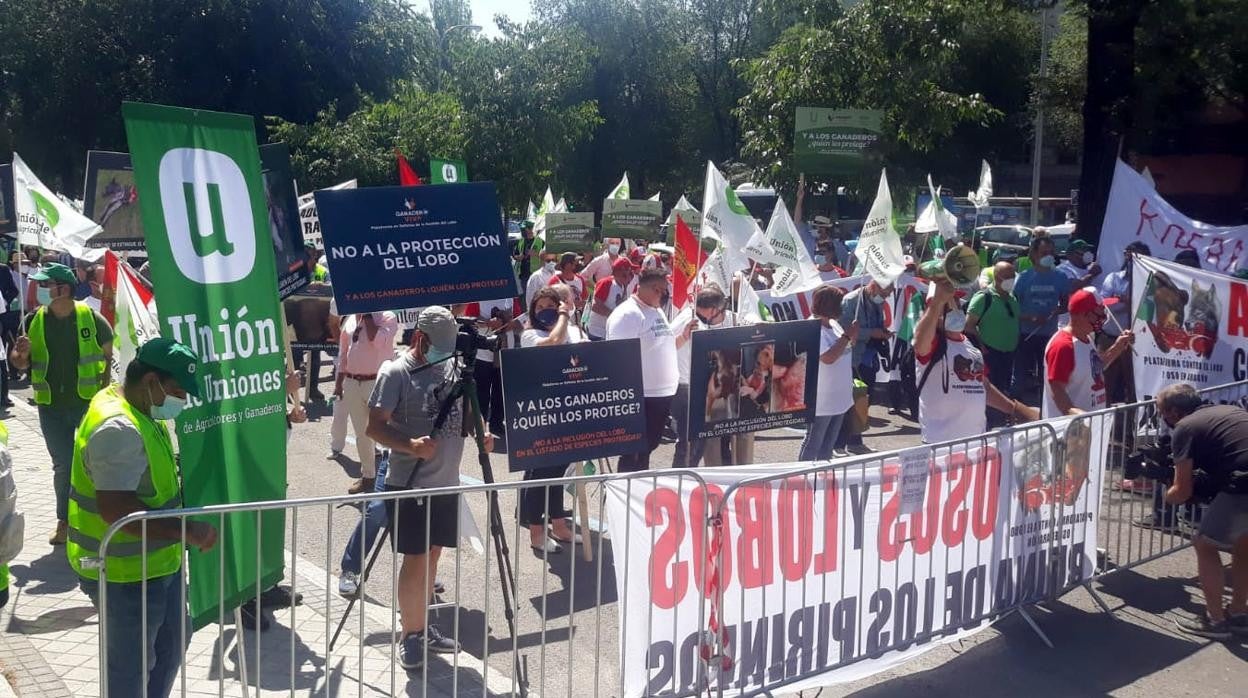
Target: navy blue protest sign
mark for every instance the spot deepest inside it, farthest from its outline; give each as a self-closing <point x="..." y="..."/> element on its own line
<point x="405" y="247"/>
<point x="751" y="378"/>
<point x="572" y="402"/>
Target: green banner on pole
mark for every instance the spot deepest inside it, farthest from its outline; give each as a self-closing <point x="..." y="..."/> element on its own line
<point x="835" y="141"/>
<point x="207" y="234"/>
<point x="570" y="232"/>
<point x="448" y="171"/>
<point x="635" y="219"/>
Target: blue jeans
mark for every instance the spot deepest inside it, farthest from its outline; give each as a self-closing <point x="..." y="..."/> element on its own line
<point x="58" y="425"/>
<point x="367" y="530"/>
<point x="821" y="437"/>
<point x="123" y="620"/>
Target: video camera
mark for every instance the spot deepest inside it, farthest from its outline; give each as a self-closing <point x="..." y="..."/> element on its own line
<point x="1157" y="463"/>
<point x="469" y="340"/>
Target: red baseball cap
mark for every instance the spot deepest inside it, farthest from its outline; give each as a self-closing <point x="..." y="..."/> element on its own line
<point x="636" y="255"/>
<point x="1086" y="299"/>
<point x="623" y="263"/>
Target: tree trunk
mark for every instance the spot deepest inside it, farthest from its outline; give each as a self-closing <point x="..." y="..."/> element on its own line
<point x="1107" y="105"/>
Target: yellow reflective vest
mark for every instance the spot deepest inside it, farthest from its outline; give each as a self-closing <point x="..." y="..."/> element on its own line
<point x="158" y="489"/>
<point x="92" y="364"/>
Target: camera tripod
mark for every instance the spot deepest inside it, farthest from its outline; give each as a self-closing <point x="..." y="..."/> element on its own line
<point x="464" y="388"/>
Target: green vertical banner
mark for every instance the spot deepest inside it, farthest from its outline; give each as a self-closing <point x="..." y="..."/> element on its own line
<point x="205" y="218"/>
<point x="447" y="171"/>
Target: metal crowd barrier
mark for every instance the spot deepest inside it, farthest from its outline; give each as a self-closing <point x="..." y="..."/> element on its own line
<point x="550" y="630"/>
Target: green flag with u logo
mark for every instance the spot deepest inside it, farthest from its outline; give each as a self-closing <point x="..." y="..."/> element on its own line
<point x="205" y="218"/>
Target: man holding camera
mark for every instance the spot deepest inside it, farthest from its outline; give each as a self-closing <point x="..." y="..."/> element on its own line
<point x="1212" y="439"/>
<point x="403" y="411"/>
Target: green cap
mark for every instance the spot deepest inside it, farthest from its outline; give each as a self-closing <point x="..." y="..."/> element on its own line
<point x="173" y="358"/>
<point x="1079" y="245"/>
<point x="55" y="272"/>
<point x="526" y="224"/>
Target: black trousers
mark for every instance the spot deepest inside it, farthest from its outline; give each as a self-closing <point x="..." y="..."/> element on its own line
<point x="657" y="411"/>
<point x="490" y="395"/>
<point x="1000" y="369"/>
<point x="541" y="504"/>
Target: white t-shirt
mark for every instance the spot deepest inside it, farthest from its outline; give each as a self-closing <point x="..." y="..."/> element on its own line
<point x="835" y="389"/>
<point x="953" y="402"/>
<point x="634" y="319"/>
<point x="531" y="336"/>
<point x="683" y="318"/>
<point x="485" y="309"/>
<point x="609" y="293"/>
<point x="1077" y="364"/>
<point x="538" y="279"/>
<point x="598" y="268"/>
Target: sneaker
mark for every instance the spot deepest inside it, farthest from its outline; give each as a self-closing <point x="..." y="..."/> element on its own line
<point x="438" y="587"/>
<point x="1238" y="623"/>
<point x="859" y="449"/>
<point x="280" y="597"/>
<point x="1203" y="627"/>
<point x="248" y="612"/>
<point x="438" y="642"/>
<point x="1153" y="523"/>
<point x="57" y="537"/>
<point x="349" y="585"/>
<point x="412" y="651"/>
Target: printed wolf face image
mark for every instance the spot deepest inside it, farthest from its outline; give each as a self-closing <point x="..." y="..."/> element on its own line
<point x="1179" y="320"/>
<point x="1204" y="311"/>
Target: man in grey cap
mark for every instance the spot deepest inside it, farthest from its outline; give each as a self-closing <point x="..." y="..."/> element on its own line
<point x="402" y="410"/>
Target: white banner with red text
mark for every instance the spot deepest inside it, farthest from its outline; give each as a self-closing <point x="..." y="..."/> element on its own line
<point x="1135" y="211"/>
<point x="811" y="577"/>
<point x="1191" y="326"/>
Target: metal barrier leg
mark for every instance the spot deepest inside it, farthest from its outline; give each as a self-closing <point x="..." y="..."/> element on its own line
<point x="242" y="650"/>
<point x="1097" y="598"/>
<point x="1022" y="611"/>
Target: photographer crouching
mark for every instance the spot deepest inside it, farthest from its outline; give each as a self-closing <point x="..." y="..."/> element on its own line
<point x="1210" y="451"/>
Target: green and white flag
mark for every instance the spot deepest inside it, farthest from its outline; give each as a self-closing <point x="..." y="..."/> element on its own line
<point x="879" y="246"/>
<point x="983" y="193"/>
<point x="539" y="218"/>
<point x="204" y="213"/>
<point x="561" y="206"/>
<point x="724" y="215"/>
<point x="621" y="190"/>
<point x="530" y="213"/>
<point x="780" y="245"/>
<point x="656" y="196"/>
<point x="442" y="171"/>
<point x="935" y="218"/>
<point x="47" y="222"/>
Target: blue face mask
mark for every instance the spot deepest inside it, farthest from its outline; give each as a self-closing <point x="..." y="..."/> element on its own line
<point x="43" y="295"/>
<point x="433" y="355"/>
<point x="546" y="319"/>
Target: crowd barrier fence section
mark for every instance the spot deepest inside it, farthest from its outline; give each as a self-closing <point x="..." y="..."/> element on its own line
<point x="1036" y="531"/>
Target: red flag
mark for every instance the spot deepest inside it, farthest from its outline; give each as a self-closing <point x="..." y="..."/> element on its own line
<point x="407" y="176"/>
<point x="686" y="262"/>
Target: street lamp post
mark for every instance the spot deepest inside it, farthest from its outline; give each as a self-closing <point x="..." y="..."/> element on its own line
<point x="442" y="46"/>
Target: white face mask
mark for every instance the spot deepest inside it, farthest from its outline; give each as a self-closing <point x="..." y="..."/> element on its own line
<point x="613" y="249"/>
<point x="1088" y="257"/>
<point x="549" y="266"/>
<point x="955" y="320"/>
<point x="1007" y="285"/>
<point x="1047" y="261"/>
<point x="171" y="408"/>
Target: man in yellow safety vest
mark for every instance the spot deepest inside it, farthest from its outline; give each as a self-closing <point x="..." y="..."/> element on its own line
<point x="68" y="347"/>
<point x="124" y="463"/>
<point x="11" y="521"/>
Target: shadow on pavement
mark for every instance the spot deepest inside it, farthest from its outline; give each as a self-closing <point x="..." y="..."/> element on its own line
<point x="51" y="573"/>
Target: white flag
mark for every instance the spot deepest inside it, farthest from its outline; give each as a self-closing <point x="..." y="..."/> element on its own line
<point x="539" y="220"/>
<point x="47" y="222"/>
<point x="980" y="196"/>
<point x="725" y="215"/>
<point x="530" y="213"/>
<point x="561" y="206"/>
<point x="1148" y="177"/>
<point x="715" y="271"/>
<point x="935" y="217"/>
<point x="656" y="196"/>
<point x="750" y="310"/>
<point x="879" y="246"/>
<point x="621" y="190"/>
<point x="781" y="245"/>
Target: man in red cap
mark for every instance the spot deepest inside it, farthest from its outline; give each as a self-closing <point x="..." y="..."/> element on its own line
<point x="1074" y="370"/>
<point x="608" y="293"/>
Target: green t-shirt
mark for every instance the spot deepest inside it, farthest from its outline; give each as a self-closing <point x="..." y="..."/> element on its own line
<point x="61" y="335"/>
<point x="998" y="319"/>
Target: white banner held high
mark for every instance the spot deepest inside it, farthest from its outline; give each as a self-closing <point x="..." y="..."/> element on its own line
<point x="1135" y="211"/>
<point x="1191" y="326"/>
<point x="834" y="576"/>
<point x="310" y="220"/>
<point x="879" y="246"/>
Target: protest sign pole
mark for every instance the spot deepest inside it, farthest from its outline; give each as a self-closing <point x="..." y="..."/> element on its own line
<point x="582" y="509"/>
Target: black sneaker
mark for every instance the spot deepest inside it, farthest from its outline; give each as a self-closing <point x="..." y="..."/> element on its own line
<point x="279" y="597"/>
<point x="412" y="651"/>
<point x="1238" y="624"/>
<point x="249" y="616"/>
<point x="1203" y="627"/>
<point x="438" y="642"/>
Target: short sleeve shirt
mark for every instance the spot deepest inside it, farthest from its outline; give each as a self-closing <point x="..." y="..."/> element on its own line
<point x="953" y="402"/>
<point x="413" y="394"/>
<point x="61" y="336"/>
<point x="115" y="457"/>
<point x="1077" y="364"/>
<point x="634" y="319"/>
<point x="835" y="389"/>
<point x="1038" y="293"/>
<point x="1214" y="437"/>
<point x="998" y="319"/>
